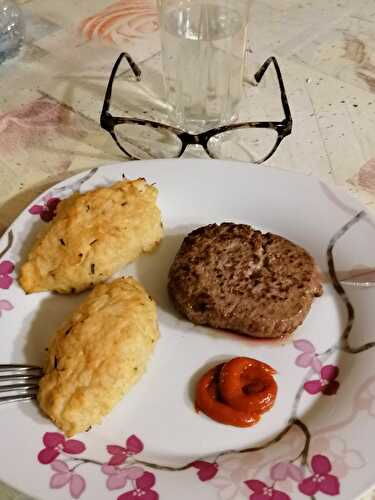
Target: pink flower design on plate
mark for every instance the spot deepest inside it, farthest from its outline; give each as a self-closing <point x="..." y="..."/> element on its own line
<point x="47" y="211"/>
<point x="6" y="269"/>
<point x="206" y="470"/>
<point x="63" y="476"/>
<point x="133" y="446"/>
<point x="308" y="356"/>
<point x="283" y="470"/>
<point x="5" y="305"/>
<point x="264" y="492"/>
<point x="55" y="443"/>
<point x="342" y="458"/>
<point x="327" y="384"/>
<point x="232" y="471"/>
<point x="321" y="480"/>
<point x="117" y="477"/>
<point x="366" y="400"/>
<point x="143" y="489"/>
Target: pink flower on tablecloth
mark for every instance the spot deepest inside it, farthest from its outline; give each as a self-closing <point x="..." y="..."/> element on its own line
<point x="133" y="446"/>
<point x="55" y="443"/>
<point x="365" y="178"/>
<point x="63" y="476"/>
<point x="125" y="20"/>
<point x="6" y="269"/>
<point x="143" y="489"/>
<point x="28" y="129"/>
<point x="206" y="470"/>
<point x="321" y="480"/>
<point x="263" y="492"/>
<point x="327" y="384"/>
<point x="5" y="305"/>
<point x="118" y="477"/>
<point x="308" y="356"/>
<point x="30" y="121"/>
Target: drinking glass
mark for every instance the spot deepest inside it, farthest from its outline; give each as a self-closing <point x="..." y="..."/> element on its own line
<point x="12" y="29"/>
<point x="203" y="53"/>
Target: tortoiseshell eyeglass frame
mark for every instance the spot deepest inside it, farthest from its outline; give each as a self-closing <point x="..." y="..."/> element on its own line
<point x="109" y="122"/>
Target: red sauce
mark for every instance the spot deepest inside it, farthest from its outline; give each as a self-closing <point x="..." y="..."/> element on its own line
<point x="237" y="392"/>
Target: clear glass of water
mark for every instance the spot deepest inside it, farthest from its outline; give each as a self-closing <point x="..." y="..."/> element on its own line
<point x="203" y="52"/>
<point x="12" y="29"/>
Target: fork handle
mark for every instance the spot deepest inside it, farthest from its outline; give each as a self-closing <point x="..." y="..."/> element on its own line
<point x="18" y="397"/>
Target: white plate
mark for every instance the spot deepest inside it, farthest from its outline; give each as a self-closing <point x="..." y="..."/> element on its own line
<point x="327" y="438"/>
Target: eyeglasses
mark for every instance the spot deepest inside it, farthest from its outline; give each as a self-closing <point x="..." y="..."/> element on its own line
<point x="145" y="139"/>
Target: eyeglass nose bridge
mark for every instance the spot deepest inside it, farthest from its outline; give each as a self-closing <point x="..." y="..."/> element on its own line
<point x="201" y="139"/>
<point x="193" y="139"/>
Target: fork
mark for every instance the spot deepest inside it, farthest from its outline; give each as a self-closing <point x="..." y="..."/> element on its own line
<point x="25" y="380"/>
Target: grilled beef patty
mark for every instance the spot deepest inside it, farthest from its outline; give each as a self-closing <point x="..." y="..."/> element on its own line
<point x="233" y="277"/>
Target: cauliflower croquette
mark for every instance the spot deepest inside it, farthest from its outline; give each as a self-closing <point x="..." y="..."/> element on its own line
<point x="93" y="236"/>
<point x="98" y="355"/>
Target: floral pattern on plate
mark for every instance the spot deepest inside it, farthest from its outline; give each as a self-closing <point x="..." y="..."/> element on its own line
<point x="136" y="479"/>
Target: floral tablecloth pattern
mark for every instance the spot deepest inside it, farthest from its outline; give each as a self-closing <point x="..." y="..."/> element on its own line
<point x="51" y="94"/>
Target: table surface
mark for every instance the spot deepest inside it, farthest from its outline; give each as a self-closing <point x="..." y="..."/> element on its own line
<point x="51" y="94"/>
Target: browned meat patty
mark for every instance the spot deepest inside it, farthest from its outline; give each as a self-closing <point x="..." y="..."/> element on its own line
<point x="233" y="277"/>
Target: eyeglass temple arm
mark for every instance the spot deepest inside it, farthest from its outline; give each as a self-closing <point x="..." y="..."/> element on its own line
<point x="135" y="69"/>
<point x="259" y="75"/>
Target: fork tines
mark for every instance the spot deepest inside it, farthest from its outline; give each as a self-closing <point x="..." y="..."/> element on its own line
<point x="25" y="380"/>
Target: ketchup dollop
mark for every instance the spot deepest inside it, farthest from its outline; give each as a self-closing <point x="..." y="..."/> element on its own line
<point x="237" y="392"/>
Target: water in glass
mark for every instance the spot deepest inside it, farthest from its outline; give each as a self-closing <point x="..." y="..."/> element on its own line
<point x="203" y="47"/>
